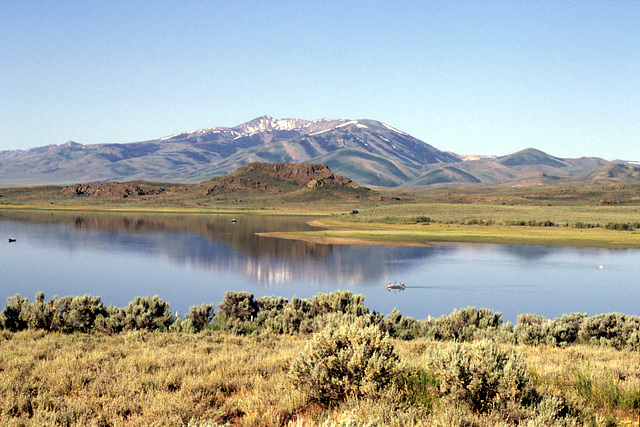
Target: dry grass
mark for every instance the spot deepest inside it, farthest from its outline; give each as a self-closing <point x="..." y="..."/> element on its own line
<point x="601" y="381"/>
<point x="176" y="379"/>
<point x="146" y="378"/>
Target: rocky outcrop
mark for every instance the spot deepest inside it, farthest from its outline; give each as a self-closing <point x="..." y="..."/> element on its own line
<point x="308" y="175"/>
<point x="110" y="190"/>
<point x="264" y="178"/>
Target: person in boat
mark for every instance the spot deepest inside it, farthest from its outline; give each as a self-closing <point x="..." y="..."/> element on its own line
<point x="396" y="286"/>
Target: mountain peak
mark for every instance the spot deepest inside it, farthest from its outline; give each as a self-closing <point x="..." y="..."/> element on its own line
<point x="531" y="156"/>
<point x="368" y="151"/>
<point x="268" y="124"/>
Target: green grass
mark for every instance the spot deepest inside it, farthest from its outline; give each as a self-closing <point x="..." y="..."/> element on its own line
<point x="420" y="234"/>
<point x="449" y="212"/>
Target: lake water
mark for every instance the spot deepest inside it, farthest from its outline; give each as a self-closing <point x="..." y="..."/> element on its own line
<point x="193" y="259"/>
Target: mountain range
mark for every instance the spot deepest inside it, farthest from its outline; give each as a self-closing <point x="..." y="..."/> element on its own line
<point x="367" y="151"/>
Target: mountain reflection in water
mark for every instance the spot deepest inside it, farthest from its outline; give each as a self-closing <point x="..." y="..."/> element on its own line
<point x="214" y="242"/>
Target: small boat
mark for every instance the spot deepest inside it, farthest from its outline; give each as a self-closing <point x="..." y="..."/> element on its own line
<point x="397" y="286"/>
<point x="11" y="240"/>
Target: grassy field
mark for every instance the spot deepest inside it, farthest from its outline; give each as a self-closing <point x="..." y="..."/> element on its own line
<point x="450" y="212"/>
<point x="154" y="378"/>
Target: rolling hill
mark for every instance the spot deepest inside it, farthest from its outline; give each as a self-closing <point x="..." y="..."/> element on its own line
<point x="369" y="152"/>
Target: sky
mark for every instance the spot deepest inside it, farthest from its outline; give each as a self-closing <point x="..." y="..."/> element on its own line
<point x="472" y="77"/>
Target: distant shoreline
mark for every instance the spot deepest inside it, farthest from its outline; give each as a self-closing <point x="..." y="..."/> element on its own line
<point x="413" y="235"/>
<point x="405" y="230"/>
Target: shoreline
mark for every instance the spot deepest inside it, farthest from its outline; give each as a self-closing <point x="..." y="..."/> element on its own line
<point x="412" y="235"/>
<point x="337" y="232"/>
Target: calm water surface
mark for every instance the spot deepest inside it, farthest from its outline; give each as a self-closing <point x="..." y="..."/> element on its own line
<point x="193" y="259"/>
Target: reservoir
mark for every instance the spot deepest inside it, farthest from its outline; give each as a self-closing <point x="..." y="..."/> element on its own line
<point x="190" y="259"/>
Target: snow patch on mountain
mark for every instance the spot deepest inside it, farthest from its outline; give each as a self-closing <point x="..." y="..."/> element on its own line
<point x="351" y="122"/>
<point x="268" y="124"/>
<point x="393" y="129"/>
<point x="322" y="131"/>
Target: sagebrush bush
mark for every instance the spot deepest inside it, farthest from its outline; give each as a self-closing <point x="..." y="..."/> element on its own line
<point x="147" y="313"/>
<point x="15" y="315"/>
<point x="272" y="303"/>
<point x="529" y="329"/>
<point x="198" y="318"/>
<point x="240" y="313"/>
<point x="611" y="330"/>
<point x="462" y="325"/>
<point x="349" y="361"/>
<point x="308" y="316"/>
<point x="113" y="322"/>
<point x="552" y="411"/>
<point x="67" y="314"/>
<point x="398" y="326"/>
<point x="238" y="306"/>
<point x="615" y="330"/>
<point x="83" y="311"/>
<point x="336" y="320"/>
<point x="295" y="317"/>
<point x="564" y="330"/>
<point x="481" y="375"/>
<point x="339" y="302"/>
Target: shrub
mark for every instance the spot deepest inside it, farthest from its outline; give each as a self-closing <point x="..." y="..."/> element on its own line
<point x="339" y="302"/>
<point x="397" y="326"/>
<point x="481" y="375"/>
<point x="612" y="330"/>
<point x="198" y="318"/>
<point x="349" y="361"/>
<point x="82" y="312"/>
<point x="68" y="314"/>
<point x="113" y="321"/>
<point x="57" y="311"/>
<point x="618" y="226"/>
<point x="552" y="411"/>
<point x="238" y="306"/>
<point x="147" y="313"/>
<point x="564" y="331"/>
<point x="462" y="325"/>
<point x="304" y="316"/>
<point x="529" y="329"/>
<point x="272" y="303"/>
<point x="39" y="313"/>
<point x="15" y="315"/>
<point x="335" y="320"/>
<point x="297" y="316"/>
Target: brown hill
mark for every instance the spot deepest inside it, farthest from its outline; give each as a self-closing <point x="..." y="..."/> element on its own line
<point x="614" y="172"/>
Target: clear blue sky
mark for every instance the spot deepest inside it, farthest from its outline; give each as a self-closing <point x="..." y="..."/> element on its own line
<point x="473" y="77"/>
